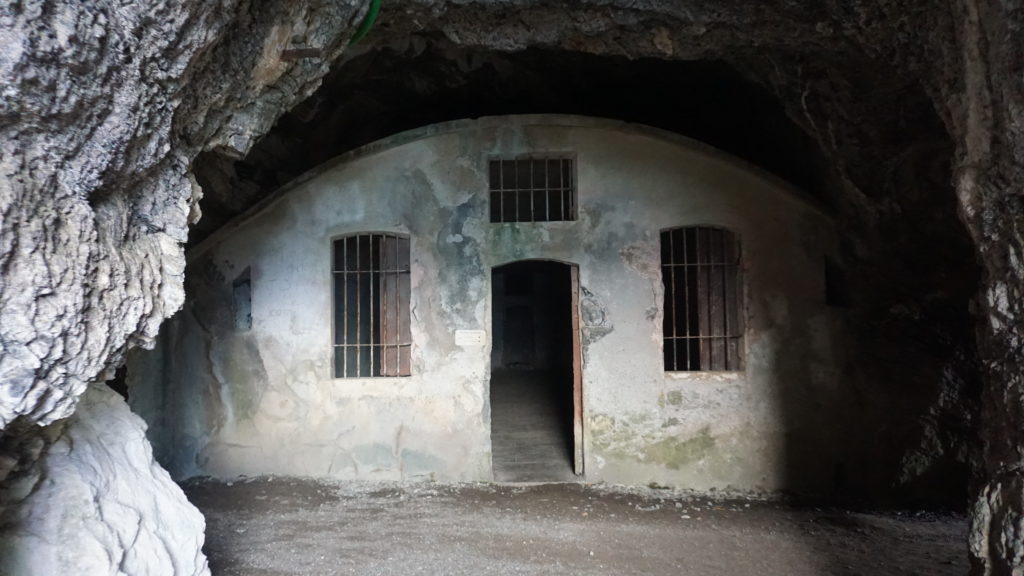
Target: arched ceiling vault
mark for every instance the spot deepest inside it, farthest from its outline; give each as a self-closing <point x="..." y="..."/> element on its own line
<point x="789" y="89"/>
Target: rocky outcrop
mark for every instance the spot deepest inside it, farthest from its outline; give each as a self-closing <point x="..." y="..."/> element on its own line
<point x="84" y="496"/>
<point x="990" y="187"/>
<point x="102" y="110"/>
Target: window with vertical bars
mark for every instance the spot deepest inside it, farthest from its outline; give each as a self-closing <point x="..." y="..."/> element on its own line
<point x="371" y="306"/>
<point x="532" y="190"/>
<point x="703" y="327"/>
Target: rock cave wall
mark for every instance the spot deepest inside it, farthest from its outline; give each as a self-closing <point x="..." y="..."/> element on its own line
<point x="103" y="110"/>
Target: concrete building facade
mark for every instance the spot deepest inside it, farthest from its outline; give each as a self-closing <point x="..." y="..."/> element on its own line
<point x="242" y="380"/>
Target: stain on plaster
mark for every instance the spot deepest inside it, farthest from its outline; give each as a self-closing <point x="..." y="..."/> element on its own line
<point x="463" y="286"/>
<point x="375" y="456"/>
<point x="416" y="463"/>
<point x="675" y="452"/>
<point x="641" y="438"/>
<point x="594" y="314"/>
<point x="595" y="320"/>
<point x="646" y="261"/>
<point x="670" y="398"/>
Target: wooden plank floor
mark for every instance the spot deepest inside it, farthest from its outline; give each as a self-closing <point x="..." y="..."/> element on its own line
<point x="531" y="431"/>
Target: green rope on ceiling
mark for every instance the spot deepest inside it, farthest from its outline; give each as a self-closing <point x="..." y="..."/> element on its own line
<point x="367" y="23"/>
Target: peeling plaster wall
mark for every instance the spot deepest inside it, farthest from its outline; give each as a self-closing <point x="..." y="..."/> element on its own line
<point x="225" y="402"/>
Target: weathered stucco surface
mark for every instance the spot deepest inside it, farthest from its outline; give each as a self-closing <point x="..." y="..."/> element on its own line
<point x="228" y="402"/>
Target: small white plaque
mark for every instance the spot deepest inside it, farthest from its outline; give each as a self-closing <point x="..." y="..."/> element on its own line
<point x="470" y="337"/>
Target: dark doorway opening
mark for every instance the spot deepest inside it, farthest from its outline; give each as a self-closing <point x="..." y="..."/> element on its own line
<point x="535" y="384"/>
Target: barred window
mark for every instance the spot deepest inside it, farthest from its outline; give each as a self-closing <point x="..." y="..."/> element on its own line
<point x="371" y="306"/>
<point x="532" y="190"/>
<point x="703" y="315"/>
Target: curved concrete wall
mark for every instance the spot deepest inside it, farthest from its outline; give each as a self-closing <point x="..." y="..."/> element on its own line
<point x="226" y="402"/>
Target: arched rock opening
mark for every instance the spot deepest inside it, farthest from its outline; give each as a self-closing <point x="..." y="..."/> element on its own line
<point x="884" y="176"/>
<point x="105" y="110"/>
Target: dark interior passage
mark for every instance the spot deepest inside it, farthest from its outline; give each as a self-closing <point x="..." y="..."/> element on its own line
<point x="531" y="372"/>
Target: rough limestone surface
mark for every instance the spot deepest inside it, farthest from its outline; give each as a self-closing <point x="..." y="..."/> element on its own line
<point x="96" y="502"/>
<point x="103" y="107"/>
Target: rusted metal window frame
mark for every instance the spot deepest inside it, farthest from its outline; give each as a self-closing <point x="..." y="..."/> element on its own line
<point x="510" y="211"/>
<point x="381" y="346"/>
<point x="711" y="297"/>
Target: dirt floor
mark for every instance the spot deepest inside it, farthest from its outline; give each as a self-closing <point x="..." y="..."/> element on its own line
<point x="276" y="526"/>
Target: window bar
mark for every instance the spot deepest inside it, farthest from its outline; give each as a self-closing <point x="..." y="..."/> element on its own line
<point x="398" y="312"/>
<point x="700" y="343"/>
<point x="712" y="317"/>
<point x="725" y="303"/>
<point x="564" y="206"/>
<point x="561" y="196"/>
<point x="382" y="316"/>
<point x="515" y="187"/>
<point x="571" y="180"/>
<point x="710" y="268"/>
<point x="395" y="307"/>
<point x="344" y="278"/>
<point x="561" y="190"/>
<point x="359" y="302"/>
<point x="709" y="238"/>
<point x="501" y="190"/>
<point x="686" y="298"/>
<point x="349" y="304"/>
<point x="334" y="310"/>
<point x="533" y="218"/>
<point x="371" y="317"/>
<point x="393" y="368"/>
<point x="672" y="299"/>
<point x="723" y="330"/>
<point x="547" y="192"/>
<point x="558" y="190"/>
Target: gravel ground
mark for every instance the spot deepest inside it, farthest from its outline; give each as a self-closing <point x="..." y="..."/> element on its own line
<point x="277" y="526"/>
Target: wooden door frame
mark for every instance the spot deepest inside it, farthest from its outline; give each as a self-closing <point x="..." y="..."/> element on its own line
<point x="577" y="372"/>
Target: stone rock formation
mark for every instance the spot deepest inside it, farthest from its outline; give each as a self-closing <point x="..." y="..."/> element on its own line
<point x="104" y="109"/>
<point x="95" y="502"/>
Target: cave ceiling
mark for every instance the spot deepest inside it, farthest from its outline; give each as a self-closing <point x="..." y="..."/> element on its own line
<point x="812" y="108"/>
